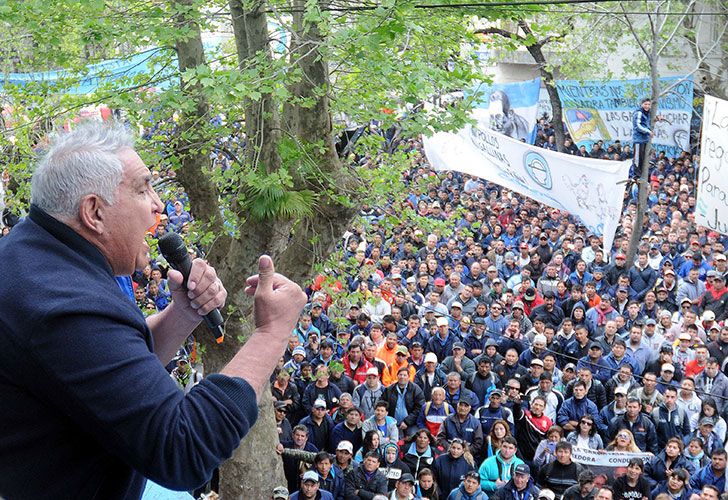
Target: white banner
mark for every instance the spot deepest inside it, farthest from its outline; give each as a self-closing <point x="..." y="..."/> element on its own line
<point x="712" y="199"/>
<point x="587" y="456"/>
<point x="592" y="190"/>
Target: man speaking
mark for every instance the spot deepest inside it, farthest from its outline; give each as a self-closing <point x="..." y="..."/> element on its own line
<point x="88" y="410"/>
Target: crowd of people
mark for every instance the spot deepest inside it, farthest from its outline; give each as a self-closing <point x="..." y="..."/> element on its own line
<point x="471" y="363"/>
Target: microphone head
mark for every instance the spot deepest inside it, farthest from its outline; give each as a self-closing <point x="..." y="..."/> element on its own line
<point x="172" y="247"/>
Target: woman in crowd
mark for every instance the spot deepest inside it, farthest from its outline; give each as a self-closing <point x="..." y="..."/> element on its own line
<point x="671" y="458"/>
<point x="545" y="452"/>
<point x="585" y="436"/>
<point x="391" y="465"/>
<point x="420" y="452"/>
<point x="451" y="466"/>
<point x="695" y="453"/>
<point x="632" y="485"/>
<point x="624" y="442"/>
<point x="710" y="409"/>
<point x="427" y="487"/>
<point x="498" y="431"/>
<point x="677" y="485"/>
<point x="371" y="442"/>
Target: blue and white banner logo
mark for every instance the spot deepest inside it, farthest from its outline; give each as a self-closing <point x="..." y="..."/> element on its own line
<point x="538" y="169"/>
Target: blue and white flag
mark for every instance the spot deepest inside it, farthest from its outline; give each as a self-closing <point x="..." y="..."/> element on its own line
<point x="592" y="190"/>
<point x="509" y="108"/>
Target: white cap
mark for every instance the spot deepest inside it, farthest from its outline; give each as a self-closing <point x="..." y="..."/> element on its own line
<point x="540" y="338"/>
<point x="310" y="475"/>
<point x="667" y="367"/>
<point x="430" y="357"/>
<point x="442" y="321"/>
<point x="346" y="446"/>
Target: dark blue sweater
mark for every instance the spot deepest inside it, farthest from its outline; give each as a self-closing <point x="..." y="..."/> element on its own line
<point x="88" y="409"/>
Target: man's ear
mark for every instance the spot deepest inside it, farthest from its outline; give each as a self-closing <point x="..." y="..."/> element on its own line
<point x="91" y="213"/>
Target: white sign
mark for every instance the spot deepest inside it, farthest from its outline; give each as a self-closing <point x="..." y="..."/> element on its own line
<point x="712" y="199"/>
<point x="590" y="189"/>
<point x="587" y="456"/>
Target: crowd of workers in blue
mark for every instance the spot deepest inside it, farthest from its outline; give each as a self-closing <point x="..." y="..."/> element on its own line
<point x="469" y="362"/>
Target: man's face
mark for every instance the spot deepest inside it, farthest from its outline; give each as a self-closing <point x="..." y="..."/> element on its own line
<point x="633" y="409"/>
<point x="579" y="392"/>
<point x="507" y="451"/>
<point x="708" y="494"/>
<point x="353" y="418"/>
<point x="135" y="209"/>
<point x="299" y="438"/>
<point x="370" y="464"/>
<point x="563" y="455"/>
<point x="520" y="481"/>
<point x="718" y="462"/>
<point x="650" y="382"/>
<point x="711" y="370"/>
<point x="402" y="378"/>
<point x="537" y="407"/>
<point x="309" y="489"/>
<point x="470" y="485"/>
<point x="404" y="489"/>
<point x="323" y="467"/>
<point x="618" y="350"/>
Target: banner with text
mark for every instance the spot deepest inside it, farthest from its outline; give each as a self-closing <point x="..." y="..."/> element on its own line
<point x="610" y="464"/>
<point x="712" y="199"/>
<point x="592" y="190"/>
<point x="509" y="108"/>
<point x="595" y="110"/>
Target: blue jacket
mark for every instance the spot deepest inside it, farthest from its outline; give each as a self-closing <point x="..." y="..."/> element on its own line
<point x="656" y="467"/>
<point x="706" y="476"/>
<point x="79" y="365"/>
<point x="459" y="494"/>
<point x="615" y="365"/>
<point x="335" y="483"/>
<point x="574" y="409"/>
<point x="642" y="281"/>
<point x="321" y="495"/>
<point x="642" y="429"/>
<point x="640" y="126"/>
<point x="448" y="471"/>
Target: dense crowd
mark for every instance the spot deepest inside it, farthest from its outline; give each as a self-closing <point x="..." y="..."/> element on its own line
<point x="469" y="364"/>
<point x="470" y="360"/>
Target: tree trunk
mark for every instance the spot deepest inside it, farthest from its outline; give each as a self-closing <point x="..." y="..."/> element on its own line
<point x="557" y="119"/>
<point x="644" y="180"/>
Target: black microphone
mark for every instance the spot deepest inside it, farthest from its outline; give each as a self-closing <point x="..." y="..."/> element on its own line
<point x="174" y="250"/>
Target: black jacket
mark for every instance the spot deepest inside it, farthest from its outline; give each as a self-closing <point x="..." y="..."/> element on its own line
<point x="367" y="489"/>
<point x="414" y="398"/>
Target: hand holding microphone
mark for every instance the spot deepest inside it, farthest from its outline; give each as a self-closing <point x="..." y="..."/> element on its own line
<point x="199" y="287"/>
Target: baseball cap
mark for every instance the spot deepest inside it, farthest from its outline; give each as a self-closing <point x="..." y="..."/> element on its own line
<point x="458" y="345"/>
<point x="685" y="336"/>
<point x="720" y="256"/>
<point x="373" y="371"/>
<point x="442" y="321"/>
<point x="708" y="316"/>
<point x="319" y="403"/>
<point x="623" y="289"/>
<point x="536" y="361"/>
<point x="396" y="276"/>
<point x="530" y="294"/>
<point x="570" y="366"/>
<point x="669" y="271"/>
<point x="666" y="348"/>
<point x="523" y="469"/>
<point x="280" y="492"/>
<point x="518" y="305"/>
<point x="496" y="392"/>
<point x="650" y="322"/>
<point x="310" y="475"/>
<point x="439" y="282"/>
<point x="346" y="446"/>
<point x="407" y="478"/>
<point x="596" y="345"/>
<point x="411" y="279"/>
<point x="456" y="304"/>
<point x="668" y="367"/>
<point x="620" y="390"/>
<point x="707" y="421"/>
<point x="402" y="349"/>
<point x="430" y="357"/>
